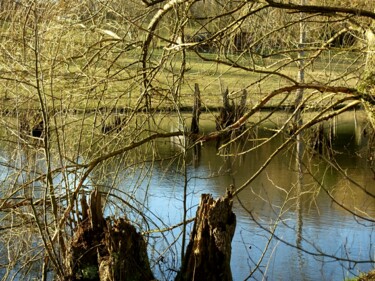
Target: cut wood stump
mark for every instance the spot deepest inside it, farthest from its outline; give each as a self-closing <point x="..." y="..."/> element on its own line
<point x="209" y="251"/>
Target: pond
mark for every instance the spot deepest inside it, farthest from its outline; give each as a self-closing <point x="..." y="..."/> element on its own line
<point x="316" y="227"/>
<point x="281" y="234"/>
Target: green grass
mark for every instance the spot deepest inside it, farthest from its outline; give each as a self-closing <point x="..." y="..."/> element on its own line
<point x="78" y="72"/>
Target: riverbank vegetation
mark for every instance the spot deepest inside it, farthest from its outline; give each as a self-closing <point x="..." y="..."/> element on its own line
<point x="95" y="95"/>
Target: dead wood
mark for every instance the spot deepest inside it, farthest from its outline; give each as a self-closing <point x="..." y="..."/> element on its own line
<point x="106" y="249"/>
<point x="209" y="251"/>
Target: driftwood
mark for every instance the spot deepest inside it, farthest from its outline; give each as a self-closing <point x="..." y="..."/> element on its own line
<point x="209" y="250"/>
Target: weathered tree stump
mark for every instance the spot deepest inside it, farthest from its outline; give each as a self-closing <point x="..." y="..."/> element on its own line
<point x="126" y="254"/>
<point x="194" y="128"/>
<point x="106" y="249"/>
<point x="227" y="113"/>
<point x="209" y="251"/>
<point x="112" y="249"/>
<point x="231" y="112"/>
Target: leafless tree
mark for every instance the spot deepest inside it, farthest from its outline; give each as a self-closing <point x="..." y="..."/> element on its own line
<point x="86" y="89"/>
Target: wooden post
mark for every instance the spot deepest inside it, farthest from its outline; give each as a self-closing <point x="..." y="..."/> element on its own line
<point x="209" y="251"/>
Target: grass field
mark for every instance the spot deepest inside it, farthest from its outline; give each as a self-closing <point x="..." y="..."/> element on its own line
<point x="81" y="70"/>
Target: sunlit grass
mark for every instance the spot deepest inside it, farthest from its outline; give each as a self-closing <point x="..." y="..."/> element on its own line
<point x="81" y="69"/>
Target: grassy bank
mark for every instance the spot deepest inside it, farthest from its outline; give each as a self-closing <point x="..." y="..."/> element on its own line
<point x="80" y="69"/>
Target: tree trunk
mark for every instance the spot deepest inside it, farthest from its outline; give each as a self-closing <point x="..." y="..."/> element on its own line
<point x="209" y="251"/>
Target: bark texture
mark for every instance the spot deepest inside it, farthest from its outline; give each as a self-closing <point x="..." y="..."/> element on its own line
<point x="106" y="249"/>
<point x="209" y="251"/>
<point x="112" y="250"/>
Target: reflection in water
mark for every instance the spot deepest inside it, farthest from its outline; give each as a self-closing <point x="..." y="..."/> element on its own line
<point x="296" y="232"/>
<point x="287" y="228"/>
<point x="299" y="190"/>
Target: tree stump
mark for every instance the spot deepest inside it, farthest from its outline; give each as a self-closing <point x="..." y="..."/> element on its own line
<point x="106" y="249"/>
<point x="112" y="249"/>
<point x="209" y="251"/>
<point x="194" y="128"/>
<point x="227" y="113"/>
